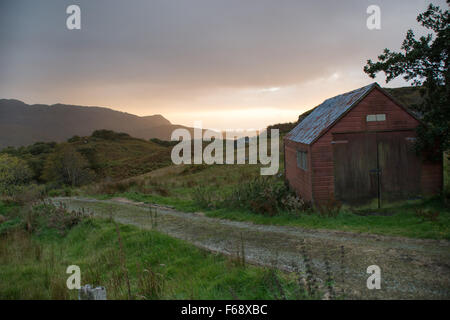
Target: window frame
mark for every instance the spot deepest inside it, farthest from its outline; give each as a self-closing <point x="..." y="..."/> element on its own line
<point x="379" y="117"/>
<point x="302" y="160"/>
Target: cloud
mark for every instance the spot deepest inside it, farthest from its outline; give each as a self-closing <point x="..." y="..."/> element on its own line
<point x="159" y="56"/>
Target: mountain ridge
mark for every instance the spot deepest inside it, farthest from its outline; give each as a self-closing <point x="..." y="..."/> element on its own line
<point x="23" y="124"/>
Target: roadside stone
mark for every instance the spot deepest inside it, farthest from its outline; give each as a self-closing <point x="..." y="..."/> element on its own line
<point x="88" y="293"/>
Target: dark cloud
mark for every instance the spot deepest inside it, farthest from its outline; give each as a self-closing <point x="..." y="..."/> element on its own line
<point x="165" y="52"/>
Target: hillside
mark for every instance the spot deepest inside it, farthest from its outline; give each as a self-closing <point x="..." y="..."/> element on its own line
<point x="109" y="155"/>
<point x="22" y="124"/>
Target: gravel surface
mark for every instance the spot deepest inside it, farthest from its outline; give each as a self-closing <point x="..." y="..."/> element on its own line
<point x="410" y="268"/>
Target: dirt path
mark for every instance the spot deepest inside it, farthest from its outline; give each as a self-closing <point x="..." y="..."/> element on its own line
<point x="410" y="268"/>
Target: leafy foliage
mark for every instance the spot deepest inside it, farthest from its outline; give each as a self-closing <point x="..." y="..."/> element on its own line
<point x="424" y="61"/>
<point x="264" y="195"/>
<point x="67" y="166"/>
<point x="164" y="143"/>
<point x="109" y="135"/>
<point x="34" y="155"/>
<point x="14" y="173"/>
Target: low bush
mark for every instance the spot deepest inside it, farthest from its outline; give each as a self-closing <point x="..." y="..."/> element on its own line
<point x="265" y="195"/>
<point x="109" y="135"/>
<point x="427" y="215"/>
<point x="331" y="208"/>
<point x="204" y="198"/>
<point x="29" y="194"/>
<point x="47" y="216"/>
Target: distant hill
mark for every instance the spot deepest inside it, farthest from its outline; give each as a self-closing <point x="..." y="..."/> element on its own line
<point x="409" y="96"/>
<point x="22" y="124"/>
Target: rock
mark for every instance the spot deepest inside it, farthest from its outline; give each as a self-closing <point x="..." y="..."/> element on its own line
<point x="88" y="293"/>
<point x="2" y="219"/>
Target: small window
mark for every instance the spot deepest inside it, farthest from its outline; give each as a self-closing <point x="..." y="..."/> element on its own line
<point x="376" y="117"/>
<point x="302" y="160"/>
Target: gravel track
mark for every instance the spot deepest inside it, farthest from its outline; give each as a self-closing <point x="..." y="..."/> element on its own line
<point x="410" y="268"/>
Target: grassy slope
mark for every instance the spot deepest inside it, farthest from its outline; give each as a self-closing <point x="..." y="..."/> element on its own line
<point x="33" y="267"/>
<point x="124" y="157"/>
<point x="117" y="158"/>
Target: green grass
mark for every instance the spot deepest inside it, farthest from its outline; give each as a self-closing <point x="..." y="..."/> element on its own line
<point x="7" y="207"/>
<point x="182" y="183"/>
<point x="33" y="266"/>
<point x="403" y="221"/>
<point x="395" y="220"/>
<point x="447" y="174"/>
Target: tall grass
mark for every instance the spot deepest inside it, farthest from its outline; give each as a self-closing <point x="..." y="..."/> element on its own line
<point x="130" y="263"/>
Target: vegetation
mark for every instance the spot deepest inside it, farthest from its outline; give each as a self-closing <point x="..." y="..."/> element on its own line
<point x="66" y="166"/>
<point x="425" y="61"/>
<point x="264" y="195"/>
<point x="164" y="143"/>
<point x="105" y="155"/>
<point x="14" y="173"/>
<point x="130" y="263"/>
<point x="34" y="155"/>
<point x="226" y="191"/>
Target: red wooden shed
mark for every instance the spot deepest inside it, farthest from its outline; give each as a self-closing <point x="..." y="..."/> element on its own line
<point x="358" y="147"/>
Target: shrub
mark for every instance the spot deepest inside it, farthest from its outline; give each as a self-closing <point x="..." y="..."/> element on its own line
<point x="68" y="167"/>
<point x="193" y="168"/>
<point x="50" y="216"/>
<point x="293" y="203"/>
<point x="203" y="197"/>
<point x="109" y="135"/>
<point x="265" y="195"/>
<point x="331" y="208"/>
<point x="427" y="215"/>
<point x="14" y="173"/>
<point x="74" y="139"/>
<point x="29" y="194"/>
<point x="164" y="143"/>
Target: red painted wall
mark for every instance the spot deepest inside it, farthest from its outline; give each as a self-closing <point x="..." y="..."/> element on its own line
<point x="299" y="179"/>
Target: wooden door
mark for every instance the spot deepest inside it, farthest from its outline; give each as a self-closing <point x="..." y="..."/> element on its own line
<point x="355" y="180"/>
<point x="375" y="167"/>
<point x="399" y="164"/>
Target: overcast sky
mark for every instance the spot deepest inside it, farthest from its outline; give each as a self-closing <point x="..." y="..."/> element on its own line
<point x="229" y="63"/>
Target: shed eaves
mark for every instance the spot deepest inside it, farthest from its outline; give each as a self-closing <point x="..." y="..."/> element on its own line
<point x="325" y="114"/>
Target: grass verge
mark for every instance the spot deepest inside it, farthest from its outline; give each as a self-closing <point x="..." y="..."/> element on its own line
<point x="398" y="219"/>
<point x="131" y="264"/>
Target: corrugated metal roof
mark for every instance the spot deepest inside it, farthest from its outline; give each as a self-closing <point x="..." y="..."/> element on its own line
<point x="325" y="114"/>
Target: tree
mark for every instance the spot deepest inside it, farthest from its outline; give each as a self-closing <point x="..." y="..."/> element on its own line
<point x="67" y="166"/>
<point x="14" y="173"/>
<point x="424" y="61"/>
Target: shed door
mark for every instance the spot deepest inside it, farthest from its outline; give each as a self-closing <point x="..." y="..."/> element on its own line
<point x="400" y="166"/>
<point x="375" y="166"/>
<point x="354" y="163"/>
